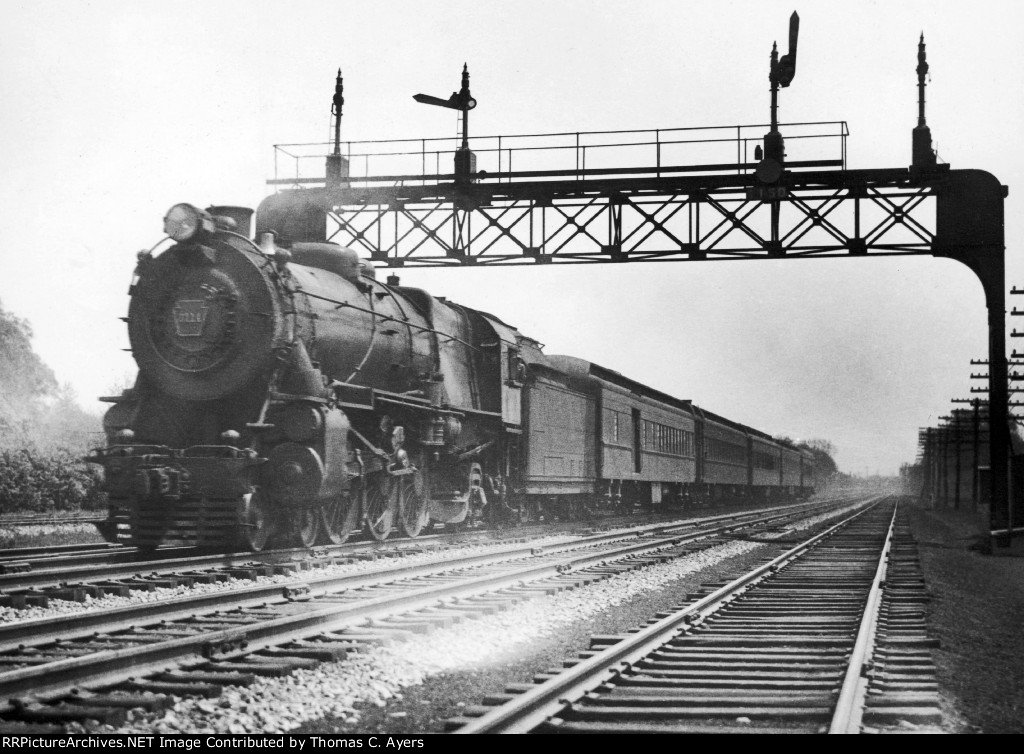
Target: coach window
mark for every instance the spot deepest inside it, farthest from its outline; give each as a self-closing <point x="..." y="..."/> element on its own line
<point x="637" y="449"/>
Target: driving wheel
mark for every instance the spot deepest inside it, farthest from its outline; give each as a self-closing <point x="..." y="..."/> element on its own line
<point x="380" y="505"/>
<point x="412" y="506"/>
<point x="307" y="524"/>
<point x="339" y="518"/>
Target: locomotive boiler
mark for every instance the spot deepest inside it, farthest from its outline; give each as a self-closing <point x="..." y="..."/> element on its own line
<point x="286" y="395"/>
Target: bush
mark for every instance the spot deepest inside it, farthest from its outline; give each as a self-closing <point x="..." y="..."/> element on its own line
<point x="39" y="481"/>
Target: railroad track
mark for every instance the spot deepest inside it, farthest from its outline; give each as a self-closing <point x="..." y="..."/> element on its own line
<point x="34" y="576"/>
<point x="65" y="558"/>
<point x="828" y="637"/>
<point x="95" y="666"/>
<point x="50" y="520"/>
<point x="11" y="558"/>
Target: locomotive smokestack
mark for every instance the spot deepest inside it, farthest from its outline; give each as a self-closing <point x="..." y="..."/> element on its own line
<point x="242" y="217"/>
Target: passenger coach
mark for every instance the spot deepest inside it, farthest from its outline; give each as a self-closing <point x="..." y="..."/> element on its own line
<point x="591" y="430"/>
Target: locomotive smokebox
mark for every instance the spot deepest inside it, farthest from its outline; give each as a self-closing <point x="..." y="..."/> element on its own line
<point x="205" y="321"/>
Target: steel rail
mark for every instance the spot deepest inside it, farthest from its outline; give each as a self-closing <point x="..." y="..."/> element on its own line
<point x="98" y="554"/>
<point x="532" y="707"/>
<point x="112" y="666"/>
<point x="53" y="551"/>
<point x="57" y="576"/>
<point x="850" y="706"/>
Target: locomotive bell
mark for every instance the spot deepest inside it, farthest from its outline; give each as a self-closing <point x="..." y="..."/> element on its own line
<point x="267" y="243"/>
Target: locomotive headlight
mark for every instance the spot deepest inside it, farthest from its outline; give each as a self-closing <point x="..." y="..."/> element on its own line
<point x="183" y="222"/>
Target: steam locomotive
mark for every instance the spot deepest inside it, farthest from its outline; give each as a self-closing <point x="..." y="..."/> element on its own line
<point x="285" y="395"/>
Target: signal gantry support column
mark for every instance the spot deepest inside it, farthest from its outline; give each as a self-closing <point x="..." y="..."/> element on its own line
<point x="970" y="229"/>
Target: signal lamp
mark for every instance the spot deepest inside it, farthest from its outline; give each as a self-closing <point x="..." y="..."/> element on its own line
<point x="183" y="222"/>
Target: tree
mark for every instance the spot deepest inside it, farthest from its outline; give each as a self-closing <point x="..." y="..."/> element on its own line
<point x="25" y="381"/>
<point x="66" y="424"/>
<point x="824" y="464"/>
<point x="34" y="409"/>
<point x="822" y="445"/>
<point x="43" y="432"/>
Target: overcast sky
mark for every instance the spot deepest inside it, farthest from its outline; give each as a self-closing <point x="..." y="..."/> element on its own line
<point x="111" y="111"/>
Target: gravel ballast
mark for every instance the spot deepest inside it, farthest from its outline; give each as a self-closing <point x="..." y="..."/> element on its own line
<point x="371" y="691"/>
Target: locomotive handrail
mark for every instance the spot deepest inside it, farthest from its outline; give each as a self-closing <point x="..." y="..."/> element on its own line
<point x="289" y="397"/>
<point x="385" y="318"/>
<point x="218" y="451"/>
<point x="480" y="412"/>
<point x="424" y="407"/>
<point x="465" y="456"/>
<point x="402" y="396"/>
<point x="372" y="448"/>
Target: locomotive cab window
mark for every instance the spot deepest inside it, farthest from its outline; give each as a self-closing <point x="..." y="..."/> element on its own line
<point x="516" y="367"/>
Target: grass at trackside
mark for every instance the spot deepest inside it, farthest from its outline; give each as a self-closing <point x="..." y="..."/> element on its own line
<point x="43" y="535"/>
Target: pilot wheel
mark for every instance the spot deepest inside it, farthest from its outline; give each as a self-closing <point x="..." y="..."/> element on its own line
<point x="256" y="522"/>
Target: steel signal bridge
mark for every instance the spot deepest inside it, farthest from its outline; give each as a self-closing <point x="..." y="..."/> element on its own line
<point x="664" y="195"/>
